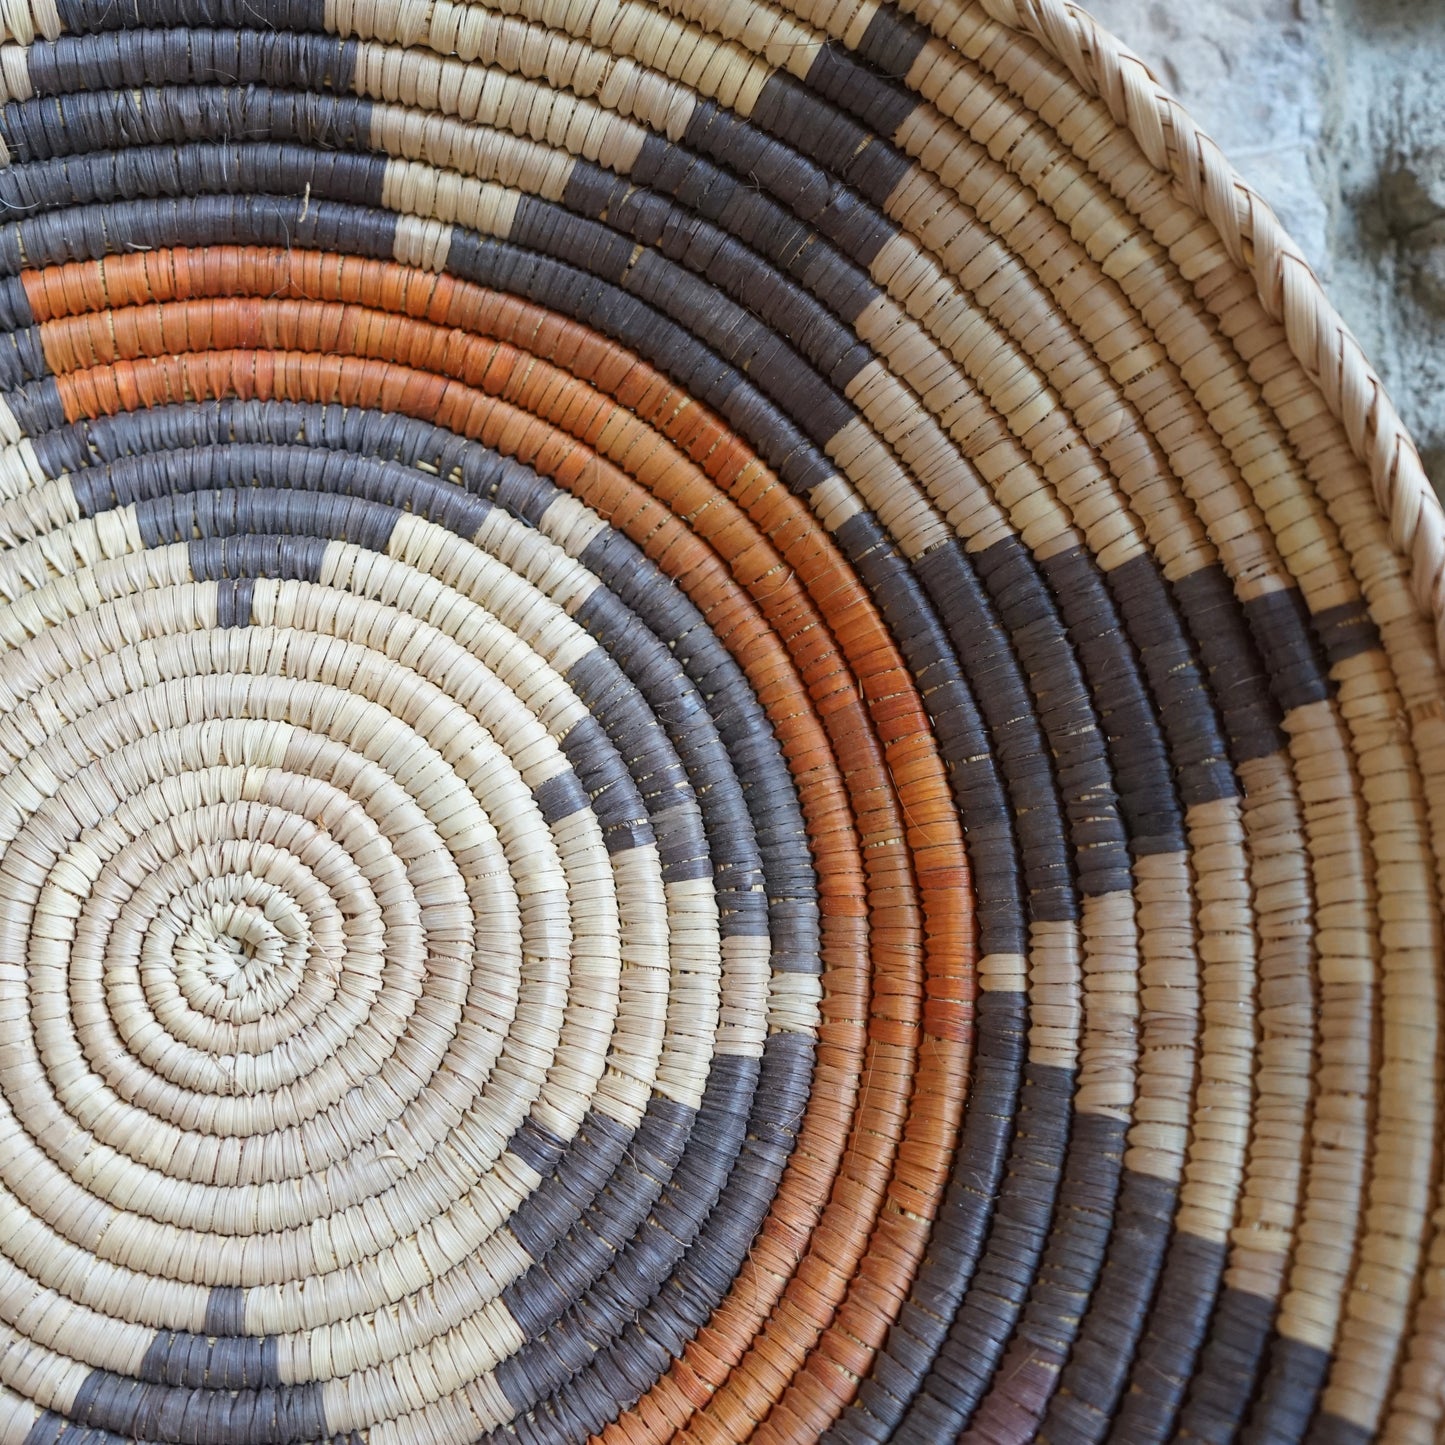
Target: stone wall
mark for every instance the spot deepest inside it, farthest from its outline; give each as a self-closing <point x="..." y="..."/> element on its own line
<point x="1334" y="110"/>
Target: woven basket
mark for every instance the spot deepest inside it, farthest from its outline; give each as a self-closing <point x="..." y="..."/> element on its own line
<point x="717" y="723"/>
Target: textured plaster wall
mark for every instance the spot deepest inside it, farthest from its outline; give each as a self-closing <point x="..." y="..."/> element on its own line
<point x="1334" y="110"/>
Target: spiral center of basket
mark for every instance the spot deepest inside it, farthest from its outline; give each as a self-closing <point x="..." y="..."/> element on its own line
<point x="237" y="959"/>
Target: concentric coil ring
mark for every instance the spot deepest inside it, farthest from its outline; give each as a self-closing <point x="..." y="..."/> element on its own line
<point x="702" y="738"/>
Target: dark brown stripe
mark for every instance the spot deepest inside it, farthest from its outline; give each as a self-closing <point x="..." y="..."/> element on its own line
<point x="893" y="41"/>
<point x="1289" y="1395"/>
<point x="1229" y="1367"/>
<point x="1018" y="1232"/>
<point x="1169" y="1350"/>
<point x="77" y="124"/>
<point x="136" y="1410"/>
<point x="639" y="1327"/>
<point x="297" y="559"/>
<point x="856" y="228"/>
<point x="195" y="1362"/>
<point x="1089" y="1389"/>
<point x="537" y="1146"/>
<point x="1346" y="631"/>
<point x="130" y="59"/>
<point x="1297" y="668"/>
<point x="100" y="15"/>
<point x="234" y="596"/>
<point x="1237" y="675"/>
<point x="226" y="1311"/>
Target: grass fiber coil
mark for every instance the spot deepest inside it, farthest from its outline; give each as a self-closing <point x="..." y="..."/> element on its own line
<point x="719" y="721"/>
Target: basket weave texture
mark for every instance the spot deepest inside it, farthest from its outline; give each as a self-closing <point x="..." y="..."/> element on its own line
<point x="719" y="721"/>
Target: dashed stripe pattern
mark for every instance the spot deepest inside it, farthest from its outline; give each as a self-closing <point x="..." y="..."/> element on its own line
<point x="702" y="739"/>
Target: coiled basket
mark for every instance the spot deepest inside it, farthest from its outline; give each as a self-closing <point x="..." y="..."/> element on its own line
<point x="720" y="721"/>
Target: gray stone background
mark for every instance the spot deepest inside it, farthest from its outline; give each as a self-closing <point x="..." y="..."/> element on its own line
<point x="1334" y="110"/>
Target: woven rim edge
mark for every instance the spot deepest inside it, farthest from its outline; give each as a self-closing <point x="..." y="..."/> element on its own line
<point x="1288" y="288"/>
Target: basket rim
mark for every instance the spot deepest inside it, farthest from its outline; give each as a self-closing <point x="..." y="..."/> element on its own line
<point x="1253" y="237"/>
<point x="1288" y="289"/>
